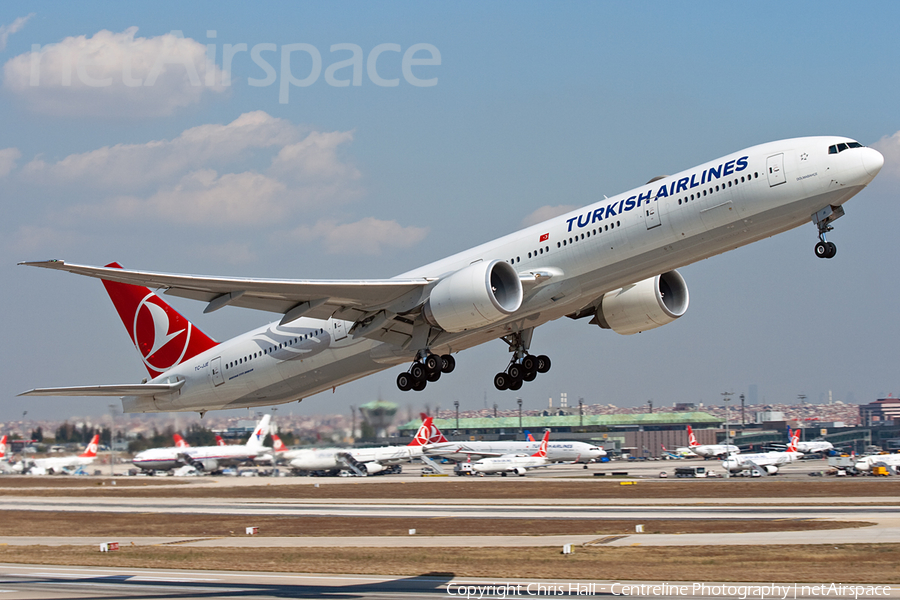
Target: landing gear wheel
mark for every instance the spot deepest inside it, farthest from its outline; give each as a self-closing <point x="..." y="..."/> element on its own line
<point x="405" y="382"/>
<point x="822" y="250"/>
<point x="516" y="385"/>
<point x="529" y="375"/>
<point x="502" y="381"/>
<point x="433" y="375"/>
<point x="543" y="363"/>
<point x="515" y="372"/>
<point x="448" y="363"/>
<point x="832" y="250"/>
<point x="418" y="372"/>
<point x="418" y="386"/>
<point x="432" y="363"/>
<point x="529" y="363"/>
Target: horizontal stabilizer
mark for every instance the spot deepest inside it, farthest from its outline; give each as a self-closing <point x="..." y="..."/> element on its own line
<point x="135" y="389"/>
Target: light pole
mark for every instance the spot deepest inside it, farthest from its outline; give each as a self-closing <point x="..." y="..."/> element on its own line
<point x="581" y="412"/>
<point x="112" y="440"/>
<point x="456" y="405"/>
<point x="726" y="396"/>
<point x="519" y="400"/>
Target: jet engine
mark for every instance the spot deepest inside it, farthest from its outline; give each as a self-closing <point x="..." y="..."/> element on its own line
<point x="771" y="469"/>
<point x="475" y="296"/>
<point x="644" y="305"/>
<point x="520" y="471"/>
<point x="374" y="467"/>
<point x="209" y="464"/>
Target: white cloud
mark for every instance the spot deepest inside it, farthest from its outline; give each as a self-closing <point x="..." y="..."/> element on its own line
<point x="113" y="75"/>
<point x="889" y="146"/>
<point x="546" y="212"/>
<point x="131" y="167"/>
<point x="8" y="158"/>
<point x="367" y="236"/>
<point x="8" y="30"/>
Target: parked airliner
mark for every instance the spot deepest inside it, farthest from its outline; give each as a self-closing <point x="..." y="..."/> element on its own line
<point x="612" y="262"/>
<point x="205" y="458"/>
<point x="60" y="464"/>
<point x="364" y="461"/>
<point x="709" y="450"/>
<point x="561" y="451"/>
<point x="515" y="463"/>
<point x="766" y="463"/>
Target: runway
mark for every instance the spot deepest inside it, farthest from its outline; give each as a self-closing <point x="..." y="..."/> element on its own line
<point x="32" y="582"/>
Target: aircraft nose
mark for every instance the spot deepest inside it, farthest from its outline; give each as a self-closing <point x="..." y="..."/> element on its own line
<point x="873" y="161"/>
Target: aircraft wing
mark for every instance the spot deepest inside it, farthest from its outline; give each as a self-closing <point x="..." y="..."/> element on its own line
<point x="135" y="389"/>
<point x="350" y="300"/>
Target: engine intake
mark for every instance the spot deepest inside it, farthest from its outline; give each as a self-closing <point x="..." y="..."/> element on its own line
<point x="644" y="305"/>
<point x="475" y="296"/>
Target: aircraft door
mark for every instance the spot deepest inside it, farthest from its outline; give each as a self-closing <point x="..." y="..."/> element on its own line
<point x="775" y="169"/>
<point x="651" y="215"/>
<point x="215" y="371"/>
<point x="338" y="329"/>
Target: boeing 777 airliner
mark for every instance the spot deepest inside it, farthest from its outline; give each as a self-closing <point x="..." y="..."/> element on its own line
<point x="612" y="262"/>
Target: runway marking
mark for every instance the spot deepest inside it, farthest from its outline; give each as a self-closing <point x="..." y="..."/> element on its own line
<point x="605" y="540"/>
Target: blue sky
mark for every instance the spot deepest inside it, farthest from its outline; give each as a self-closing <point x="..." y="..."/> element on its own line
<point x="535" y="106"/>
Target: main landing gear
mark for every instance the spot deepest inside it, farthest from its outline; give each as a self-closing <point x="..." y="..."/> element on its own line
<point x="427" y="367"/>
<point x="523" y="366"/>
<point x="823" y="220"/>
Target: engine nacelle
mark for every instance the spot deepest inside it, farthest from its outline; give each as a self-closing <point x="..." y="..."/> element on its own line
<point x="644" y="305"/>
<point x="771" y="469"/>
<point x="520" y="471"/>
<point x="475" y="296"/>
<point x="209" y="464"/>
<point x="374" y="467"/>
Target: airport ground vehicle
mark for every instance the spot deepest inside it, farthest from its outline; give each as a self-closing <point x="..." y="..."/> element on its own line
<point x="698" y="472"/>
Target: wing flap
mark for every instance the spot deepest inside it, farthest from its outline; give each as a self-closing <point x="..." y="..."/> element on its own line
<point x="137" y="389"/>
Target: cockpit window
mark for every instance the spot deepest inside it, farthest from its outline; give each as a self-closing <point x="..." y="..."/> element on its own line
<point x="838" y="148"/>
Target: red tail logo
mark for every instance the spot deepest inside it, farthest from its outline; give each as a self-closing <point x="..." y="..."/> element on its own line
<point x="161" y="335"/>
<point x="542" y="451"/>
<point x="277" y="444"/>
<point x="692" y="439"/>
<point x="91" y="450"/>
<point x="179" y="441"/>
<point x="795" y="437"/>
<point x="3" y="447"/>
<point x="220" y="441"/>
<point x="428" y="433"/>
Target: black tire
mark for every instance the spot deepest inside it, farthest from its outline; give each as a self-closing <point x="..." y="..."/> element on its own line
<point x="516" y="385"/>
<point x="448" y="363"/>
<point x="543" y="363"/>
<point x="529" y="363"/>
<point x="418" y="372"/>
<point x="433" y="375"/>
<point x="832" y="250"/>
<point x="515" y="372"/>
<point x="822" y="250"/>
<point x="405" y="382"/>
<point x="529" y="375"/>
<point x="501" y="381"/>
<point x="502" y="473"/>
<point x="418" y="386"/>
<point x="432" y="363"/>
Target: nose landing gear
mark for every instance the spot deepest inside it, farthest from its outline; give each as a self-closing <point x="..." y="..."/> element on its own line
<point x="823" y="220"/>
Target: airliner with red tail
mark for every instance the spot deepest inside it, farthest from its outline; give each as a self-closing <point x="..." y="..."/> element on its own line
<point x="613" y="262"/>
<point x="58" y="464"/>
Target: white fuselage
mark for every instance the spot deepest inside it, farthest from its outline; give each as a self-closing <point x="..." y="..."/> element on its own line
<point x="328" y="459"/>
<point x="812" y="447"/>
<point x="674" y="221"/>
<point x="556" y="451"/>
<point x="707" y="450"/>
<point x="60" y="463"/>
<point x="866" y="463"/>
<point x="211" y="457"/>
<point x="509" y="463"/>
<point x="746" y="462"/>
